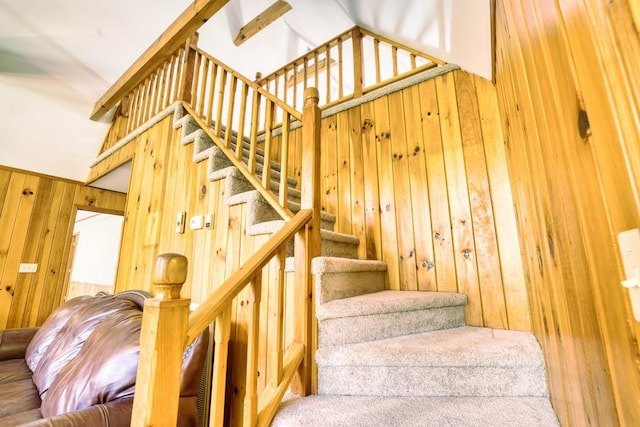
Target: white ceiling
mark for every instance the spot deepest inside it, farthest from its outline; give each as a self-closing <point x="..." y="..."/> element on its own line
<point x="57" y="57"/>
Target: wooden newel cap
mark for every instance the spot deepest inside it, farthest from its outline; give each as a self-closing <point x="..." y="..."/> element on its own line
<point x="311" y="94"/>
<point x="169" y="274"/>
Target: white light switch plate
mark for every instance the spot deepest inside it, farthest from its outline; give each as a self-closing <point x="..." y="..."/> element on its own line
<point x="27" y="268"/>
<point x="629" y="242"/>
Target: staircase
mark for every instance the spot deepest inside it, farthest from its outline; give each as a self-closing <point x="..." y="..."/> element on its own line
<point x="389" y="358"/>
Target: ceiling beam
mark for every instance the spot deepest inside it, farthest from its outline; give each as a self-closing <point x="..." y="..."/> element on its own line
<point x="270" y="14"/>
<point x="169" y="41"/>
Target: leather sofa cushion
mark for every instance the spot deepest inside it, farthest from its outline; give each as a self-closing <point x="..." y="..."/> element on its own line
<point x="103" y="371"/>
<point x="18" y="396"/>
<point x="50" y="329"/>
<point x="72" y="337"/>
<point x="14" y="370"/>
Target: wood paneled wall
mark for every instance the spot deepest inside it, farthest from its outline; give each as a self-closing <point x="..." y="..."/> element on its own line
<point x="420" y="177"/>
<point x="37" y="214"/>
<point x="574" y="194"/>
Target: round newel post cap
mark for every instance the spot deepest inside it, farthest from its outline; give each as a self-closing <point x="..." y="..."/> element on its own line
<point x="311" y="94"/>
<point x="169" y="274"/>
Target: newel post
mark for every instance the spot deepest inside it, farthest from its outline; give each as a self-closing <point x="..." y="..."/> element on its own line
<point x="307" y="241"/>
<point x="164" y="331"/>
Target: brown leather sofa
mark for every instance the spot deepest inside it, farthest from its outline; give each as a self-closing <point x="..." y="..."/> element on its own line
<point x="79" y="368"/>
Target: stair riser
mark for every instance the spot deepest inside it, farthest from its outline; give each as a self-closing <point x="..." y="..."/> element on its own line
<point x="332" y="286"/>
<point x="259" y="211"/>
<point x="431" y="381"/>
<point x="237" y="183"/>
<point x="387" y="325"/>
<point x="219" y="162"/>
<point x="330" y="248"/>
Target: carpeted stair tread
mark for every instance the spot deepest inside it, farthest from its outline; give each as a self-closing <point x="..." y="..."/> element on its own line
<point x="368" y="411"/>
<point x="463" y="346"/>
<point x="388" y="302"/>
<point x="327" y="222"/>
<point x="322" y="265"/>
<point x="237" y="183"/>
<point x="464" y="361"/>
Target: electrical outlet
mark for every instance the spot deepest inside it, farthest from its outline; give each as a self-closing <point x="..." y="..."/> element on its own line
<point x="180" y="219"/>
<point x="208" y="221"/>
<point x="197" y="222"/>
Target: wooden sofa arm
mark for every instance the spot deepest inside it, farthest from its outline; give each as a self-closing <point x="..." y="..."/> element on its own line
<point x="14" y="342"/>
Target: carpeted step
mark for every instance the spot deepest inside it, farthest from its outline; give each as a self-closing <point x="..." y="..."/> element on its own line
<point x="260" y="211"/>
<point x="333" y="244"/>
<point x="387" y="314"/>
<point x="219" y="164"/>
<point x="237" y="183"/>
<point x="465" y="361"/>
<point x="366" y="411"/>
<point x="337" y="278"/>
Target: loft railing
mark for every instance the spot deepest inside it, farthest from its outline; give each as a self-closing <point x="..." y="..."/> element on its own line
<point x="346" y="67"/>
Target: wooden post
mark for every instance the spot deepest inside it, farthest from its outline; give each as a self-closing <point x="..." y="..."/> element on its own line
<point x="164" y="331"/>
<point x="307" y="241"/>
<point x="358" y="63"/>
<point x="188" y="68"/>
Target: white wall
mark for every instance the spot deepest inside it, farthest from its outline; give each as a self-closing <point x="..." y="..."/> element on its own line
<point x="96" y="256"/>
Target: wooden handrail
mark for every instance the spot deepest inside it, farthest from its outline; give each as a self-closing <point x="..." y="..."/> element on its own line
<point x="221" y="297"/>
<point x="171" y="39"/>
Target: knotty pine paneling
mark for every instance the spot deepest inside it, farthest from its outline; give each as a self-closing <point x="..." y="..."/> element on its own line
<point x="574" y="194"/>
<point x="37" y="214"/>
<point x="420" y="177"/>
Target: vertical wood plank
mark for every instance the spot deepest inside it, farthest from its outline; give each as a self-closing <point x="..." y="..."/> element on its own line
<point x="384" y="150"/>
<point x="494" y="311"/>
<point x="443" y="263"/>
<point x="358" y="220"/>
<point x="403" y="196"/>
<point x="416" y="165"/>
<point x="462" y="227"/>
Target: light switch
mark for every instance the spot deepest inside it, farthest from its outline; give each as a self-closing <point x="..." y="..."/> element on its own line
<point x="180" y="219"/>
<point x="629" y="242"/>
<point x="208" y="221"/>
<point x="197" y="222"/>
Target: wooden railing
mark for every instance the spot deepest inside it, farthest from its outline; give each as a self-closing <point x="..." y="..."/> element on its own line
<point x="348" y="66"/>
<point x="162" y="87"/>
<point x="159" y="90"/>
<point x="240" y="117"/>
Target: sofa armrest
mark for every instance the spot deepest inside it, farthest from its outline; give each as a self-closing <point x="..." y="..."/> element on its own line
<point x="112" y="414"/>
<point x="14" y="342"/>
